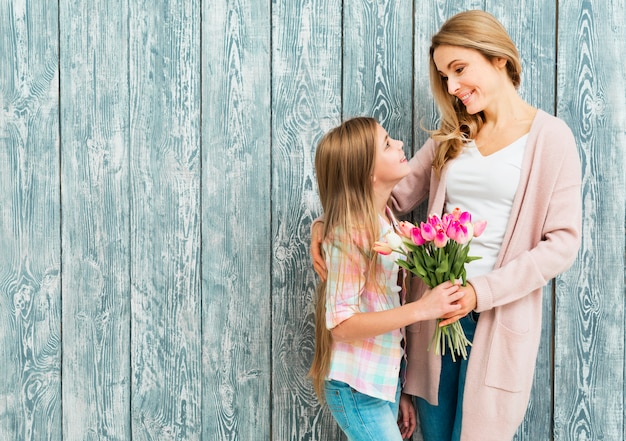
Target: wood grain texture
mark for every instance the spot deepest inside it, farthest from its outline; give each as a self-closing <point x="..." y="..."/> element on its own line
<point x="30" y="296"/>
<point x="165" y="234"/>
<point x="589" y="345"/>
<point x="536" y="44"/>
<point x="306" y="102"/>
<point x="377" y="64"/>
<point x="236" y="220"/>
<point x="95" y="228"/>
<point x="157" y="189"/>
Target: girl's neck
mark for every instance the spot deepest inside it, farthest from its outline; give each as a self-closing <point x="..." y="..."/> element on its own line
<point x="380" y="202"/>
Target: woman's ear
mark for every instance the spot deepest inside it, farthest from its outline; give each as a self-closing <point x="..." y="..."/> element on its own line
<point x="500" y="62"/>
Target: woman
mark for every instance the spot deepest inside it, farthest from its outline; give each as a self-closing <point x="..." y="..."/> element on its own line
<point x="517" y="167"/>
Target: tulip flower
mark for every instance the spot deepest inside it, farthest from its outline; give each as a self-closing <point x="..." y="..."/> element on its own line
<point x="440" y="239"/>
<point x="479" y="227"/>
<point x="437" y="251"/>
<point x="428" y="231"/>
<point x="416" y="236"/>
<point x="406" y="228"/>
<point x="458" y="233"/>
<point x="382" y="248"/>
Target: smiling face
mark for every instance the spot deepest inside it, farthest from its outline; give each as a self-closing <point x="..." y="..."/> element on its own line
<point x="390" y="164"/>
<point x="470" y="76"/>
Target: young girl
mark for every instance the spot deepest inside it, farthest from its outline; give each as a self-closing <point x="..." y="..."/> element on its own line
<point x="359" y="351"/>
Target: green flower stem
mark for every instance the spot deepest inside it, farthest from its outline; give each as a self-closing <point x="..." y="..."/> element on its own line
<point x="451" y="336"/>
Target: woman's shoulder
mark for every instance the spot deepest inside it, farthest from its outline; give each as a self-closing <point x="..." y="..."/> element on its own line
<point x="553" y="131"/>
<point x="547" y="124"/>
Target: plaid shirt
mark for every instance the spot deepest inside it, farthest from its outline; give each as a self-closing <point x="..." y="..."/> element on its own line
<point x="371" y="365"/>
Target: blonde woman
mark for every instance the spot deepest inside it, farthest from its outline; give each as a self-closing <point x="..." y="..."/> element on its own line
<point x="359" y="355"/>
<point x="517" y="167"/>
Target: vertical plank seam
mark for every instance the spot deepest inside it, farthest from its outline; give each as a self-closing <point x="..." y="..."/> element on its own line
<point x="129" y="183"/>
<point x="271" y="220"/>
<point x="200" y="232"/>
<point x="554" y="283"/>
<point x="60" y="169"/>
<point x="342" y="63"/>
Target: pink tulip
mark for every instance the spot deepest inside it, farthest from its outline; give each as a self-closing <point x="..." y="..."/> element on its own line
<point x="406" y="228"/>
<point x="456" y="213"/>
<point x="382" y="248"/>
<point x="428" y="231"/>
<point x="479" y="227"/>
<point x="441" y="239"/>
<point x="416" y="236"/>
<point x="458" y="233"/>
<point x="465" y="217"/>
<point x="434" y="220"/>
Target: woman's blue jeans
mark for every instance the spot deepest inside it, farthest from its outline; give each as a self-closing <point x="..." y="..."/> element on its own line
<point x="362" y="417"/>
<point x="443" y="422"/>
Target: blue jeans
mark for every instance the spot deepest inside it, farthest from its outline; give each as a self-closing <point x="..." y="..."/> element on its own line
<point x="443" y="422"/>
<point x="361" y="417"/>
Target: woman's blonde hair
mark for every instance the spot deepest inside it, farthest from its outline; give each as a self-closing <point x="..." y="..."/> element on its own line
<point x="344" y="164"/>
<point x="482" y="32"/>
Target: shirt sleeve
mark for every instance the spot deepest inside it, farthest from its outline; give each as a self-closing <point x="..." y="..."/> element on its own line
<point x="414" y="188"/>
<point x="345" y="282"/>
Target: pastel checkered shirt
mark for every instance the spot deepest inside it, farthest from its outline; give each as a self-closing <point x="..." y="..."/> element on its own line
<point x="372" y="365"/>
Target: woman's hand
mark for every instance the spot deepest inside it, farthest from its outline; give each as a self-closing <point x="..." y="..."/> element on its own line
<point x="441" y="301"/>
<point x="467" y="303"/>
<point x="319" y="264"/>
<point x="406" y="416"/>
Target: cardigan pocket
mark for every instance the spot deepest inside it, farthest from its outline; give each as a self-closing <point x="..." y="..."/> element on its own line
<point x="511" y="362"/>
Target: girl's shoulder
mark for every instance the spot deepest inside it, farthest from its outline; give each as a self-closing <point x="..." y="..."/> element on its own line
<point x="355" y="237"/>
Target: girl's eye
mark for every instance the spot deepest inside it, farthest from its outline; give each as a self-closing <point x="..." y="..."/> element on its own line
<point x="459" y="69"/>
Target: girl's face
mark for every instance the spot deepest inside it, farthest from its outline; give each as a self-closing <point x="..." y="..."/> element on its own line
<point x="390" y="165"/>
<point x="474" y="80"/>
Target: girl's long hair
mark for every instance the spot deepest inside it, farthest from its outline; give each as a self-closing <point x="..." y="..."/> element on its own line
<point x="344" y="165"/>
<point x="482" y="32"/>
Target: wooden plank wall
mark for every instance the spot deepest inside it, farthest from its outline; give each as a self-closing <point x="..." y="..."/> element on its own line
<point x="157" y="189"/>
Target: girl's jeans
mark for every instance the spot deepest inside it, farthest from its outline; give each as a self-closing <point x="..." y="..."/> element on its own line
<point x="361" y="417"/>
<point x="443" y="422"/>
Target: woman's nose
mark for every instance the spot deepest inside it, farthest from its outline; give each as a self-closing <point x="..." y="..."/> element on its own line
<point x="453" y="86"/>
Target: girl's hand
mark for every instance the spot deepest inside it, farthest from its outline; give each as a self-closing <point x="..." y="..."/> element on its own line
<point x="319" y="264"/>
<point x="467" y="303"/>
<point x="406" y="416"/>
<point x="441" y="301"/>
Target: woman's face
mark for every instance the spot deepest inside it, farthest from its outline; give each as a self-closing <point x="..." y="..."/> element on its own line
<point x="469" y="76"/>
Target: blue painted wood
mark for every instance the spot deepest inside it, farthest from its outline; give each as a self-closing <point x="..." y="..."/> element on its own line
<point x="236" y="221"/>
<point x="589" y="340"/>
<point x="166" y="363"/>
<point x="306" y="102"/>
<point x="156" y="174"/>
<point x="30" y="244"/>
<point x="94" y="121"/>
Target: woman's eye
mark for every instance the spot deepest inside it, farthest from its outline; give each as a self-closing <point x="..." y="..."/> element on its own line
<point x="459" y="70"/>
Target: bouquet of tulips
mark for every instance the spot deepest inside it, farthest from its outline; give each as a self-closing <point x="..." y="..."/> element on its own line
<point x="437" y="251"/>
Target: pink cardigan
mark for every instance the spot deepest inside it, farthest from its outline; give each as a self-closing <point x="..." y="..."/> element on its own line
<point x="542" y="240"/>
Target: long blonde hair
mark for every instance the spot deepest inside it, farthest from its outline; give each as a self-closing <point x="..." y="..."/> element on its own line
<point x="482" y="32"/>
<point x="344" y="164"/>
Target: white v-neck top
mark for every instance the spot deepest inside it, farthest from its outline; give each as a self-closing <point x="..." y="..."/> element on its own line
<point x="485" y="186"/>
